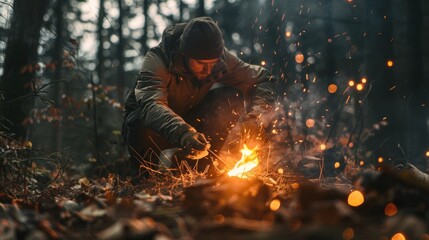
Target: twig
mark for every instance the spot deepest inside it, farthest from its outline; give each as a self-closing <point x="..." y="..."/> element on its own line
<point x="218" y="158"/>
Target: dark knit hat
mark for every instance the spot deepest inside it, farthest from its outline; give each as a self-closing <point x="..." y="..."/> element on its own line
<point x="202" y="39"/>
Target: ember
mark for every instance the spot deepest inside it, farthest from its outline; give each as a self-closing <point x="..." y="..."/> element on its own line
<point x="248" y="161"/>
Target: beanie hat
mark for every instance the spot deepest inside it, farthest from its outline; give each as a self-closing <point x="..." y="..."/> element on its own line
<point x="201" y="39"/>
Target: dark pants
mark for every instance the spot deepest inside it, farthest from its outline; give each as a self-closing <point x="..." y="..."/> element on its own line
<point x="215" y="117"/>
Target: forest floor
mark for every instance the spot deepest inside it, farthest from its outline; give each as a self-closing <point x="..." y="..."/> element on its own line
<point x="54" y="201"/>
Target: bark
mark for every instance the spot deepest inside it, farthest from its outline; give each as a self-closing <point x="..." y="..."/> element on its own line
<point x="20" y="63"/>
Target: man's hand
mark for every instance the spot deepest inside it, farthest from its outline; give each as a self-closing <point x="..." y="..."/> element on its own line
<point x="195" y="145"/>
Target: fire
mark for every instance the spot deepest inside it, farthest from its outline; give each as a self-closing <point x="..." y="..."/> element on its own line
<point x="248" y="161"/>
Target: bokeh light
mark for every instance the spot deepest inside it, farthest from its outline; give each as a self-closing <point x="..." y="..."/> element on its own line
<point x="299" y="58"/>
<point x="310" y="123"/>
<point x="398" y="236"/>
<point x="359" y="87"/>
<point x="275" y="205"/>
<point x="355" y="198"/>
<point x="348" y="234"/>
<point x="390" y="209"/>
<point x="332" y="88"/>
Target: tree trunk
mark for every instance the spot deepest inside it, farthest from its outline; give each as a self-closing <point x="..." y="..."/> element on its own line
<point x="144" y="47"/>
<point x="382" y="103"/>
<point x="201" y="8"/>
<point x="417" y="86"/>
<point x="121" y="71"/>
<point x="58" y="56"/>
<point x="181" y="7"/>
<point x="100" y="54"/>
<point x="20" y="63"/>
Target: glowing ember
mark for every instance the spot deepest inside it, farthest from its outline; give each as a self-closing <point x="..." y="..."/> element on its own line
<point x="355" y="199"/>
<point x="380" y="159"/>
<point x="364" y="80"/>
<point x="351" y="83"/>
<point x="390" y="63"/>
<point x="248" y="161"/>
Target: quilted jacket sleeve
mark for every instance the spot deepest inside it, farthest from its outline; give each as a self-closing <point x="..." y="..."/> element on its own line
<point x="255" y="83"/>
<point x="152" y="96"/>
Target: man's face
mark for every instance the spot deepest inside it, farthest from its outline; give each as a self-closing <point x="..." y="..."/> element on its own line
<point x="201" y="69"/>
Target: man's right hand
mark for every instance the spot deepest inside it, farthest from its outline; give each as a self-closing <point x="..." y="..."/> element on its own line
<point x="194" y="144"/>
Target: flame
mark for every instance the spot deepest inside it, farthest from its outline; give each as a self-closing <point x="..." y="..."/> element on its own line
<point x="248" y="161"/>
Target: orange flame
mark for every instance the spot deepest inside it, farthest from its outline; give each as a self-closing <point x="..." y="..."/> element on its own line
<point x="248" y="161"/>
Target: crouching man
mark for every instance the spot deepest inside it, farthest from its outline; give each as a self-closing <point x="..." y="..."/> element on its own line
<point x="190" y="92"/>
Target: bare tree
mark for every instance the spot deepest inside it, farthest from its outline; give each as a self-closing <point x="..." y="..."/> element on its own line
<point x="17" y="82"/>
<point x="58" y="56"/>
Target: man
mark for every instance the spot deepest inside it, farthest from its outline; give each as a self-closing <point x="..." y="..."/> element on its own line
<point x="190" y="92"/>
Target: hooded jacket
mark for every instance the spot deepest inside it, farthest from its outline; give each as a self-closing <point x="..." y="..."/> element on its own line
<point x="165" y="89"/>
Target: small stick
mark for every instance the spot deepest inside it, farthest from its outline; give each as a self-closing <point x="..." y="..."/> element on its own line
<point x="218" y="158"/>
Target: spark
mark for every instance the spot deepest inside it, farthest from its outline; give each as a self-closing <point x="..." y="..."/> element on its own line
<point x="351" y="83"/>
<point x="390" y="63"/>
<point x="380" y="159"/>
<point x="364" y="80"/>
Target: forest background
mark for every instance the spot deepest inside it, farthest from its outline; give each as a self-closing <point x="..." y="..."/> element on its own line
<point x="351" y="74"/>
